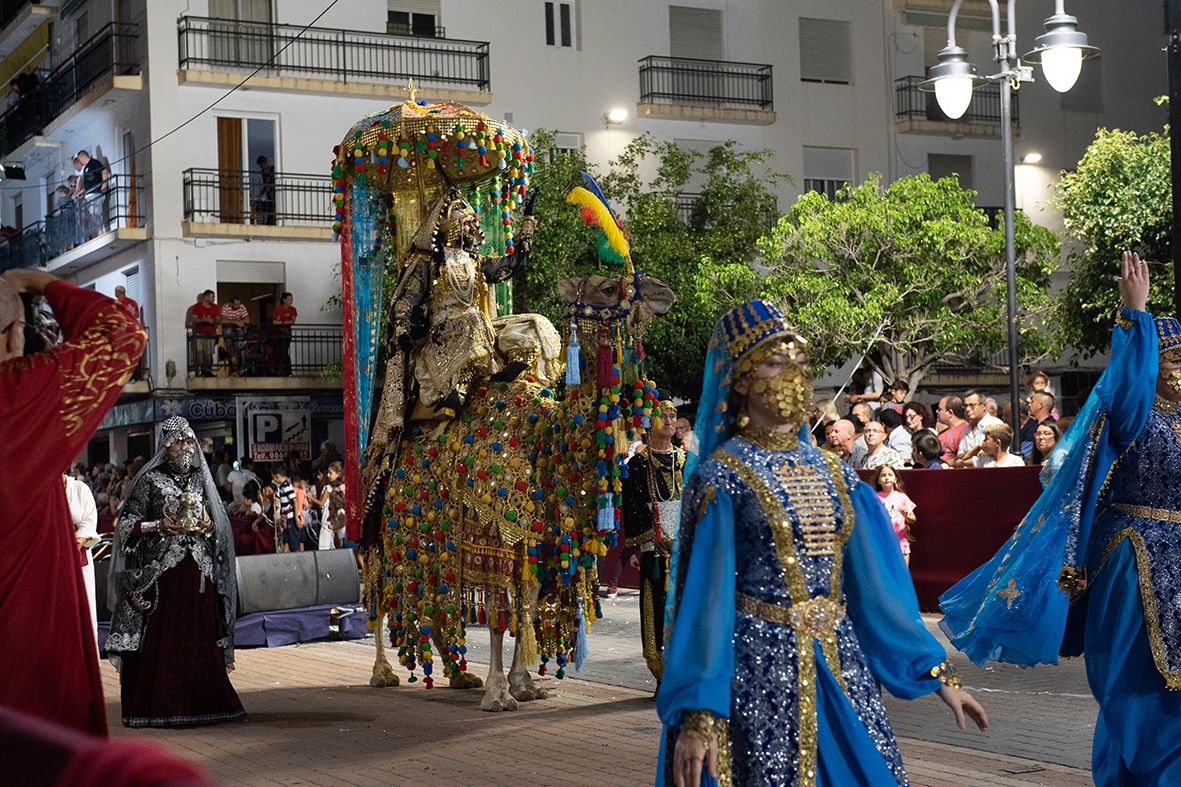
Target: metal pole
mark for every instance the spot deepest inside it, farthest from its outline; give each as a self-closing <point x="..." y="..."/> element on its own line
<point x="1173" y="13"/>
<point x="1010" y="251"/>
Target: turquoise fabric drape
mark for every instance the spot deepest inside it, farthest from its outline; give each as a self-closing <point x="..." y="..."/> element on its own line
<point x="1011" y="609"/>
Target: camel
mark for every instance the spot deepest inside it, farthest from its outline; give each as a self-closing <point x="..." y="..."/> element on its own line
<point x="498" y="515"/>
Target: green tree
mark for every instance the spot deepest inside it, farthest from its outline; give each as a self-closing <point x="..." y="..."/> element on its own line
<point x="1118" y="198"/>
<point x="911" y="273"/>
<point x="701" y="247"/>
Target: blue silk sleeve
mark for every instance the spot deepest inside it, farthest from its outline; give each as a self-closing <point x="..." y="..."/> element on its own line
<point x="1128" y="386"/>
<point x="880" y="600"/>
<point x="699" y="653"/>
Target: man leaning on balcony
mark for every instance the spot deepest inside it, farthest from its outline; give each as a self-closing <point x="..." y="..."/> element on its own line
<point x="203" y="319"/>
<point x="235" y="319"/>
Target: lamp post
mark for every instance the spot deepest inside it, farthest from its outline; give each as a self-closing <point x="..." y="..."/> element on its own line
<point x="1060" y="51"/>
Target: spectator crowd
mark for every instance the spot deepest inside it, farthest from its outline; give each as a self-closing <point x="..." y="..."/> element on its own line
<point x="300" y="502"/>
<point x="224" y="341"/>
<point x="888" y="427"/>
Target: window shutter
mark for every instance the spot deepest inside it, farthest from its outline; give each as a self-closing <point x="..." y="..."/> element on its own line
<point x="829" y="164"/>
<point x="825" y="51"/>
<point x="695" y="32"/>
<point x="250" y="272"/>
<point x="415" y="6"/>
<point x="133" y="284"/>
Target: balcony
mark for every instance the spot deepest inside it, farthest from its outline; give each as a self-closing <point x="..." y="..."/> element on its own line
<point x="327" y="61"/>
<point x="238" y="204"/>
<point x="682" y="88"/>
<point x="917" y="112"/>
<point x="267" y="357"/>
<point x="82" y="232"/>
<point x="110" y="62"/>
<point x="974" y="14"/>
<point x="19" y="19"/>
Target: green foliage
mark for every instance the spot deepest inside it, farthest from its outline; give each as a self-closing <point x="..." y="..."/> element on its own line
<point x="705" y="256"/>
<point x="914" y="264"/>
<point x="1118" y="198"/>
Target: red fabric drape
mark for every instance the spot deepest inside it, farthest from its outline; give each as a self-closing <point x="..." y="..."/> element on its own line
<point x="963" y="517"/>
<point x="50" y="405"/>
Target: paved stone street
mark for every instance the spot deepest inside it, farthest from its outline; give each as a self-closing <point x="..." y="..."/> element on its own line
<point x="314" y="721"/>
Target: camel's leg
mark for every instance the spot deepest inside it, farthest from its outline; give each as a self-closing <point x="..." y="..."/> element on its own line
<point x="464" y="680"/>
<point x="383" y="674"/>
<point x="520" y="682"/>
<point x="496" y="693"/>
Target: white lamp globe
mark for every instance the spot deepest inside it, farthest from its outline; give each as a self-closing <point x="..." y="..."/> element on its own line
<point x="1061" y="66"/>
<point x="954" y="94"/>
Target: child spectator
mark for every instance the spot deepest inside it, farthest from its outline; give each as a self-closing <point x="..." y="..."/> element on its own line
<point x="927" y="450"/>
<point x="289" y="531"/>
<point x="898" y="505"/>
<point x="994" y="451"/>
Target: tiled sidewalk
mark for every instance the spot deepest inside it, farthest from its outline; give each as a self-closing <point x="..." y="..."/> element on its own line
<point x="313" y="720"/>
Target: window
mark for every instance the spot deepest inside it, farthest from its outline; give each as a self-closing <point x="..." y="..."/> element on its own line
<point x="559" y="24"/>
<point x="695" y="32"/>
<point x="940" y="165"/>
<point x="567" y="143"/>
<point x="408" y="23"/>
<point x="827" y="170"/>
<point x="826" y="53"/>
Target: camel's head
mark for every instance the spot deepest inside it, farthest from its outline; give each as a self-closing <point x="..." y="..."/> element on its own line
<point x="637" y="299"/>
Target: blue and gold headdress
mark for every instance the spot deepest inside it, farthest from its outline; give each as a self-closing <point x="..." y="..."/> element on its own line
<point x="738" y="340"/>
<point x="1168" y="334"/>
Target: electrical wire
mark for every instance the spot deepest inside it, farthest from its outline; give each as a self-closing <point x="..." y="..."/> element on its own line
<point x="50" y="187"/>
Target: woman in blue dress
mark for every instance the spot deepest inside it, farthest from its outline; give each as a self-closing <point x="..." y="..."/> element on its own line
<point x="1094" y="567"/>
<point x="792" y="603"/>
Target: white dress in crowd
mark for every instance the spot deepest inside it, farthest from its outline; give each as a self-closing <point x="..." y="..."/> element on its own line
<point x="84" y="515"/>
<point x="327" y="534"/>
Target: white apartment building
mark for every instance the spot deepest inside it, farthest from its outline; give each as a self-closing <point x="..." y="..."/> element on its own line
<point x="829" y="85"/>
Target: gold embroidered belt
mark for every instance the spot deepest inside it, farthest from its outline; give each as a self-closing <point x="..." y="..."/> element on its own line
<point x="817" y="617"/>
<point x="1163" y="514"/>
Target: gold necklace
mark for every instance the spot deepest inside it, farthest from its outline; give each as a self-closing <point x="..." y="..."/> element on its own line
<point x="770" y="439"/>
<point x="1165" y="406"/>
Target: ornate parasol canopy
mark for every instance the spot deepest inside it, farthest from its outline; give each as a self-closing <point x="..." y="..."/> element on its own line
<point x="417" y="147"/>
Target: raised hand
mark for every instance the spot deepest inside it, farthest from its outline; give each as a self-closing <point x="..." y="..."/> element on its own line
<point x="1133" y="281"/>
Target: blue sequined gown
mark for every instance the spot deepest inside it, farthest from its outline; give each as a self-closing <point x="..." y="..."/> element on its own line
<point x="794" y="607"/>
<point x="1132" y="638"/>
<point x="1111" y="512"/>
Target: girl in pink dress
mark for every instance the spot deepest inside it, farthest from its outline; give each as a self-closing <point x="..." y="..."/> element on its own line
<point x="900" y="507"/>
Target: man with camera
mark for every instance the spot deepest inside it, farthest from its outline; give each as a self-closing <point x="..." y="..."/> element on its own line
<point x="52" y="399"/>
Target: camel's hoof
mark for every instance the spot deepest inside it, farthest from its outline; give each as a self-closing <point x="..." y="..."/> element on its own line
<point x="497" y="704"/>
<point x="383" y="679"/>
<point x="528" y="693"/>
<point x="466" y="680"/>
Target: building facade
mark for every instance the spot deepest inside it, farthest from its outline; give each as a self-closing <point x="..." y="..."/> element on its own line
<point x="213" y="123"/>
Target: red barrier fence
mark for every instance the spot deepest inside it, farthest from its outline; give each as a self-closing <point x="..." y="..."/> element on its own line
<point x="963" y="517"/>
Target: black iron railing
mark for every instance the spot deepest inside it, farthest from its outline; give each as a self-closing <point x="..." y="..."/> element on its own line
<point x="265" y="351"/>
<point x="910" y="103"/>
<point x="252" y="197"/>
<point x="344" y="55"/>
<point x="688" y="205"/>
<point x="683" y="80"/>
<point x="115" y="50"/>
<point x="418" y="31"/>
<point x="23" y="249"/>
<point x="114" y="204"/>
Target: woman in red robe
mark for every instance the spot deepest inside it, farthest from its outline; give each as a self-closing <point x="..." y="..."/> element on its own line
<point x="50" y="405"/>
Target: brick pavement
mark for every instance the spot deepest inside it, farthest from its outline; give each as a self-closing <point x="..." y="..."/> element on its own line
<point x="313" y="721"/>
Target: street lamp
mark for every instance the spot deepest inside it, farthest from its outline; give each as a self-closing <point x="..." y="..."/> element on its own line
<point x="1060" y="51"/>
